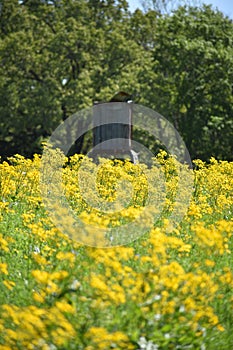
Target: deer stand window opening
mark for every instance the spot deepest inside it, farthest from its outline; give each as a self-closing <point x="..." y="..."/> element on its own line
<point x="112" y="129"/>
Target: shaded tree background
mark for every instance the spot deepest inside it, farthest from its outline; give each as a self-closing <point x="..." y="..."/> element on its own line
<point x="59" y="56"/>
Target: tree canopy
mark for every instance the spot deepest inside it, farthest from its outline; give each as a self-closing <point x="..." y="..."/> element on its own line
<point x="59" y="56"/>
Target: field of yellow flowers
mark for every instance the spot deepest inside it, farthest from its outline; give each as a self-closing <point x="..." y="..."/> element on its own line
<point x="165" y="290"/>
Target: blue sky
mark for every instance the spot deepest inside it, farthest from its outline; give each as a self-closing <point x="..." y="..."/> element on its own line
<point x="226" y="6"/>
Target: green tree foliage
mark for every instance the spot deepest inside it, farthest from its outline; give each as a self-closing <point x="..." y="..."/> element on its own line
<point x="167" y="6"/>
<point x="58" y="56"/>
<point x="193" y="56"/>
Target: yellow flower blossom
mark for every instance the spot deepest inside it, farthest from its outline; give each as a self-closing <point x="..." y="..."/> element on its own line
<point x="3" y="268"/>
<point x="9" y="284"/>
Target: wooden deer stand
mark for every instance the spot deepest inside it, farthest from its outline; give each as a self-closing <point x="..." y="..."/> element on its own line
<point x="112" y="129"/>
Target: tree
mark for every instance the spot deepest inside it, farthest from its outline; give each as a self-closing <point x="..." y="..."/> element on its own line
<point x="57" y="57"/>
<point x="193" y="58"/>
<point x="167" y="6"/>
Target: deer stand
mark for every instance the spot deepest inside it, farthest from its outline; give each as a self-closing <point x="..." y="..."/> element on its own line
<point x="112" y="129"/>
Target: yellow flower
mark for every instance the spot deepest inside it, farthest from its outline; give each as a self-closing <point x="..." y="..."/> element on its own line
<point x="3" y="244"/>
<point x="209" y="263"/>
<point x="38" y="297"/>
<point x="59" y="275"/>
<point x="65" y="307"/>
<point x="39" y="259"/>
<point x="9" y="284"/>
<point x="3" y="268"/>
<point x="66" y="256"/>
<point x="102" y="340"/>
<point x="41" y="276"/>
